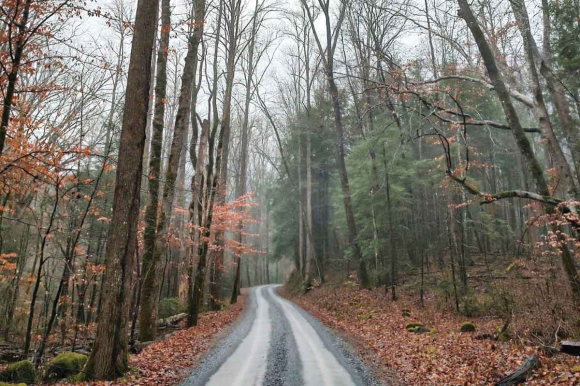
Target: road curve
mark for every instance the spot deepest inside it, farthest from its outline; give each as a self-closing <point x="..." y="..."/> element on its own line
<point x="278" y="343"/>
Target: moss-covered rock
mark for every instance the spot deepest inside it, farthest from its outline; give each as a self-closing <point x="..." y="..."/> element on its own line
<point x="413" y="325"/>
<point x="64" y="365"/>
<point x="12" y="384"/>
<point x="417" y="328"/>
<point x="19" y="372"/>
<point x="80" y="377"/>
<point x="467" y="327"/>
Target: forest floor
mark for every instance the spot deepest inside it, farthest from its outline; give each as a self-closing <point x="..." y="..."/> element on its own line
<point x="169" y="361"/>
<point x="444" y="356"/>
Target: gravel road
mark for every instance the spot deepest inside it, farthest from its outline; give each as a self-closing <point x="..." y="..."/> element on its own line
<point x="278" y="343"/>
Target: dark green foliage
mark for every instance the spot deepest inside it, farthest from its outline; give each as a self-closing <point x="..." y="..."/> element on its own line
<point x="169" y="307"/>
<point x="294" y="283"/>
<point x="565" y="37"/>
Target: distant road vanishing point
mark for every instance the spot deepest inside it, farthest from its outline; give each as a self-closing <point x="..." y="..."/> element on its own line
<point x="278" y="343"/>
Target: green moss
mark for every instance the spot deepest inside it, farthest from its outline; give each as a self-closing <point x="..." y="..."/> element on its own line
<point x="12" y="384"/>
<point x="467" y="327"/>
<point x="65" y="365"/>
<point x="417" y="328"/>
<point x="80" y="377"/>
<point x="505" y="336"/>
<point x="19" y="372"/>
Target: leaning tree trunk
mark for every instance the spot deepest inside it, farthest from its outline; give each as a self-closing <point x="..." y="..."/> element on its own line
<point x="557" y="92"/>
<point x="520" y="137"/>
<point x="108" y="358"/>
<point x="540" y="109"/>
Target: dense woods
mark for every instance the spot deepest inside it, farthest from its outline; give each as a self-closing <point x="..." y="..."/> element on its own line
<point x="158" y="156"/>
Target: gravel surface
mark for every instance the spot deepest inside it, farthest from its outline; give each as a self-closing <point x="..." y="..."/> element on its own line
<point x="298" y="350"/>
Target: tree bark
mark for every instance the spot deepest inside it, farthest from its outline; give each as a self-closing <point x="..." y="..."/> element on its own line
<point x="108" y="358"/>
<point x="205" y="203"/>
<point x="148" y="308"/>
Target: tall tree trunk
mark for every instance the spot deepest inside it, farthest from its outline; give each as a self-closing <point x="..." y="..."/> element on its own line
<point x="349" y="212"/>
<point x="232" y="50"/>
<point x="150" y="115"/>
<point x="301" y="209"/>
<point x="197" y="159"/>
<point x="148" y="310"/>
<point x="241" y="185"/>
<point x="328" y="60"/>
<point x="211" y="180"/>
<point x="42" y="261"/>
<point x="195" y="218"/>
<point x="108" y="358"/>
<point x="311" y="261"/>
<point x="393" y="248"/>
<point x="209" y="184"/>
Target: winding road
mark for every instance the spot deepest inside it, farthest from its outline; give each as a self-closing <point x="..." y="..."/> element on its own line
<point x="278" y="343"/>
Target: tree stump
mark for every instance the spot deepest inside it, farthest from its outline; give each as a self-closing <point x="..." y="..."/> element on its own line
<point x="522" y="373"/>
